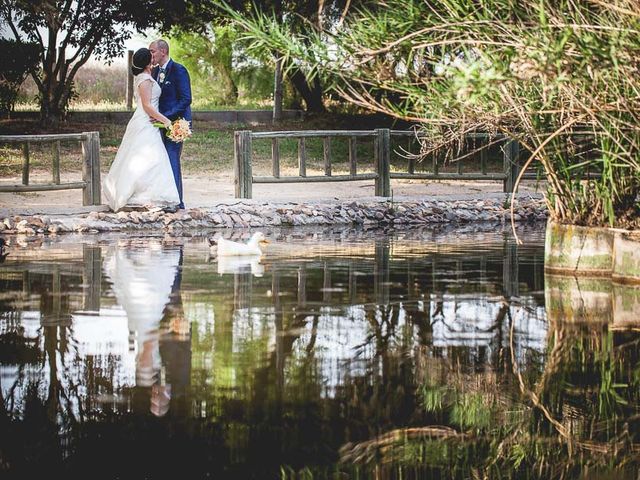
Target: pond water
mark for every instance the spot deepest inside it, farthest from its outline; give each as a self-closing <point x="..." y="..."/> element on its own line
<point x="340" y="354"/>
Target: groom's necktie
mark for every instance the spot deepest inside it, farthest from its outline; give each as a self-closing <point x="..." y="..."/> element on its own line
<point x="161" y="75"/>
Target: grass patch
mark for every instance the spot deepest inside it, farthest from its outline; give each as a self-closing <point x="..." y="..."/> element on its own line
<point x="121" y="106"/>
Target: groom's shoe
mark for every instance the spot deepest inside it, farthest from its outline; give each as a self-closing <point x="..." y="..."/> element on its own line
<point x="172" y="209"/>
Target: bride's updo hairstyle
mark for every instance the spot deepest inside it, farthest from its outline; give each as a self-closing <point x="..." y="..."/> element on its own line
<point x="141" y="59"/>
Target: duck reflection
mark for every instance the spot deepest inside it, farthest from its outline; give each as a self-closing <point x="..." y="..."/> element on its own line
<point x="247" y="264"/>
<point x="146" y="280"/>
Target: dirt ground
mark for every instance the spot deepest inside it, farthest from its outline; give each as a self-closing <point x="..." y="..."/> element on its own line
<point x="206" y="191"/>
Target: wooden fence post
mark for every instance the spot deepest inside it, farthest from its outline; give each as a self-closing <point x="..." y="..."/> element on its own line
<point x="353" y="156"/>
<point x="55" y="150"/>
<point x="302" y="157"/>
<point x="326" y="153"/>
<point x="511" y="152"/>
<point x="25" y="164"/>
<point x="242" y="164"/>
<point x="96" y="185"/>
<point x="275" y="157"/>
<point x="91" y="194"/>
<point x="129" y="80"/>
<point x="411" y="168"/>
<point x="382" y="160"/>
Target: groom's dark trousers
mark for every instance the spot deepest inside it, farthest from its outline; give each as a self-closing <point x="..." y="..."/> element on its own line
<point x="175" y="102"/>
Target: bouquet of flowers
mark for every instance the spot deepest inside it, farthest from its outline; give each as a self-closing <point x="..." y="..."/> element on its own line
<point x="179" y="130"/>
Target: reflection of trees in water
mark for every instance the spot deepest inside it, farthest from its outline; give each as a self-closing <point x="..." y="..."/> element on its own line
<point x="40" y="405"/>
<point x="264" y="391"/>
<point x="557" y="424"/>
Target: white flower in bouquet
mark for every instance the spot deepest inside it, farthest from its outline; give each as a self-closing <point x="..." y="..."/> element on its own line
<point x="179" y="131"/>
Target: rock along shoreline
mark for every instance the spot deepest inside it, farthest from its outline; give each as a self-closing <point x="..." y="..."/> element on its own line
<point x="254" y="214"/>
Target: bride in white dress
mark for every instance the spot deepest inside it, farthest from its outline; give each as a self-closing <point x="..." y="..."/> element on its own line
<point x="141" y="174"/>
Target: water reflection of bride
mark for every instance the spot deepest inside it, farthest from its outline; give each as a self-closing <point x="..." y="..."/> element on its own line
<point x="146" y="279"/>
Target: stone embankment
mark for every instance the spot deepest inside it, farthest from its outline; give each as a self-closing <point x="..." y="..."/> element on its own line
<point x="244" y="214"/>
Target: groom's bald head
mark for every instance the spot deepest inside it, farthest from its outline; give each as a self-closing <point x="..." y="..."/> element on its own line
<point x="160" y="51"/>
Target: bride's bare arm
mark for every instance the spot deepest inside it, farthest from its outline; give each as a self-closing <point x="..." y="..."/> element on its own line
<point x="144" y="90"/>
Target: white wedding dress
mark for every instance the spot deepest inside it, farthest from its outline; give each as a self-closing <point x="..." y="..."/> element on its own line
<point x="142" y="280"/>
<point x="141" y="174"/>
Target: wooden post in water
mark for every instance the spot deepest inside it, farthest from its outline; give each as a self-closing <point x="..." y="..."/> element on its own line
<point x="326" y="283"/>
<point x="510" y="285"/>
<point x="381" y="273"/>
<point x="129" y="80"/>
<point x="382" y="160"/>
<point x="242" y="164"/>
<point x="92" y="277"/>
<point x="56" y="294"/>
<point x="302" y="285"/>
<point x="26" y="284"/>
<point x="352" y="283"/>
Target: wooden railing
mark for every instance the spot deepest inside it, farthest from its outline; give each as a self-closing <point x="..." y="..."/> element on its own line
<point x="380" y="167"/>
<point x="90" y="184"/>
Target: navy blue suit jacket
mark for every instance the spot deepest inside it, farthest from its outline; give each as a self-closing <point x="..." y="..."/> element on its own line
<point x="175" y="101"/>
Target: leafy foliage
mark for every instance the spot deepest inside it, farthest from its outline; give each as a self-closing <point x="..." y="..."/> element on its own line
<point x="222" y="72"/>
<point x="69" y="32"/>
<point x="561" y="77"/>
<point x="16" y="61"/>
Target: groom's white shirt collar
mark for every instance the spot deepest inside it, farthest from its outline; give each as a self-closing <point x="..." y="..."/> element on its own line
<point x="164" y="65"/>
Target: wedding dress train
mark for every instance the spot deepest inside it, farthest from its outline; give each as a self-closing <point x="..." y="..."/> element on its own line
<point x="141" y="173"/>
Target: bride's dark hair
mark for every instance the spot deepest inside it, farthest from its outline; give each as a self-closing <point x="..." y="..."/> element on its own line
<point x="141" y="59"/>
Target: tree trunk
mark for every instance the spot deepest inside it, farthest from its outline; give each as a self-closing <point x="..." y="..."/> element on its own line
<point x="311" y="94"/>
<point x="53" y="108"/>
<point x="277" y="91"/>
<point x="55" y="90"/>
<point x="228" y="86"/>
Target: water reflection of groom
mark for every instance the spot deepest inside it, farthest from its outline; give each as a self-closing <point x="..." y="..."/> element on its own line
<point x="175" y="352"/>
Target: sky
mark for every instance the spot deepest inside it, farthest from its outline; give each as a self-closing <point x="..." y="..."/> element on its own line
<point x="136" y="41"/>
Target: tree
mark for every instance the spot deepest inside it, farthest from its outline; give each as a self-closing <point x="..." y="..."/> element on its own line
<point x="17" y="60"/>
<point x="209" y="57"/>
<point x="69" y="32"/>
<point x="298" y="17"/>
<point x="560" y="77"/>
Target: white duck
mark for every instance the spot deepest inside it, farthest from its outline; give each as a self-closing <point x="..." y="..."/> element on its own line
<point x="228" y="248"/>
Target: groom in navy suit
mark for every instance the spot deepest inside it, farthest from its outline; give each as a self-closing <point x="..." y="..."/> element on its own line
<point x="175" y="100"/>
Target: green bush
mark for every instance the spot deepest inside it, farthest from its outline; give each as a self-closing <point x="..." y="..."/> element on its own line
<point x="17" y="60"/>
